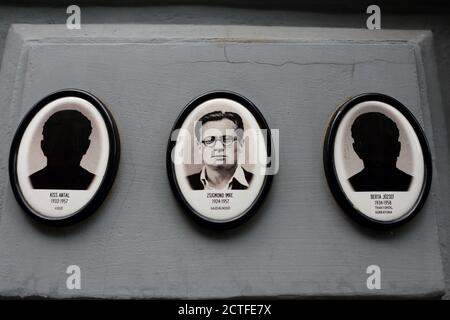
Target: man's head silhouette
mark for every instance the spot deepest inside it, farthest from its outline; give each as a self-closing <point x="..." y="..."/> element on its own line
<point x="65" y="142"/>
<point x="376" y="140"/>
<point x="66" y="138"/>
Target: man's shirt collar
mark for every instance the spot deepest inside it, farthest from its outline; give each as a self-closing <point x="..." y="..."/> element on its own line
<point x="238" y="175"/>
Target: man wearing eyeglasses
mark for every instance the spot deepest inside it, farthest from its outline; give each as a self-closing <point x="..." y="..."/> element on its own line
<point x="219" y="139"/>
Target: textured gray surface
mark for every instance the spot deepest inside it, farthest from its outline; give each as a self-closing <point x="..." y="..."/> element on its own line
<point x="140" y="243"/>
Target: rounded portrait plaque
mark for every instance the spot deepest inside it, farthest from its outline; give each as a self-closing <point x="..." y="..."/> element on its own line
<point x="218" y="158"/>
<point x="64" y="157"/>
<point x="377" y="160"/>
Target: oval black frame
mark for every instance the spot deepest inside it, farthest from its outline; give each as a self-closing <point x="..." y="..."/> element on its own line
<point x="330" y="170"/>
<point x="111" y="169"/>
<point x="244" y="216"/>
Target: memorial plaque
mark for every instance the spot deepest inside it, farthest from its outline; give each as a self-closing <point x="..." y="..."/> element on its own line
<point x="64" y="157"/>
<point x="377" y="160"/>
<point x="218" y="158"/>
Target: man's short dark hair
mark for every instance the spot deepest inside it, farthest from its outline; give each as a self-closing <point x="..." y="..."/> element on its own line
<point x="78" y="124"/>
<point x="217" y="116"/>
<point x="374" y="124"/>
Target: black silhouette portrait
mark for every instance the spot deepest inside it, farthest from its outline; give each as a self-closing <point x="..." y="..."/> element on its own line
<point x="66" y="140"/>
<point x="376" y="142"/>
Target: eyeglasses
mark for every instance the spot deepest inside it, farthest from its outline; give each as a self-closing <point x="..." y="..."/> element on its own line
<point x="226" y="140"/>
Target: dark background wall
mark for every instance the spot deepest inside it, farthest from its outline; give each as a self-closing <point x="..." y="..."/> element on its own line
<point x="431" y="15"/>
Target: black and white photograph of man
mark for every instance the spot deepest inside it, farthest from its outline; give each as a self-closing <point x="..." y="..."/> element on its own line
<point x="219" y="137"/>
